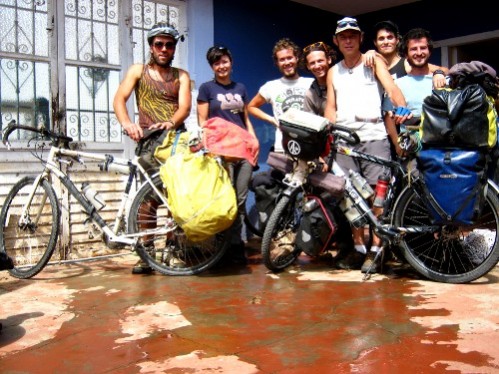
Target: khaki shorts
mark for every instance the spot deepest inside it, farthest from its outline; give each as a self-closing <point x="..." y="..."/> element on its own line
<point x="370" y="171"/>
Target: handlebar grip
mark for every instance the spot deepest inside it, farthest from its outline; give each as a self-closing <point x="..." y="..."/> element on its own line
<point x="11" y="126"/>
<point x="349" y="135"/>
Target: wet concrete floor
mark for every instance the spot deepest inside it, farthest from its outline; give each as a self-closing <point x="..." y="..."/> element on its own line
<point x="96" y="317"/>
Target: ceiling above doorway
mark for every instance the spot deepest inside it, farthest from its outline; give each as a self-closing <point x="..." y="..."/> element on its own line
<point x="353" y="7"/>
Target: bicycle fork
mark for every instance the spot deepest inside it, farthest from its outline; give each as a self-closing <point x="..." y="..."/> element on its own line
<point x="26" y="220"/>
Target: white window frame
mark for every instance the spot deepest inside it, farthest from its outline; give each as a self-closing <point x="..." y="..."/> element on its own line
<point x="450" y="46"/>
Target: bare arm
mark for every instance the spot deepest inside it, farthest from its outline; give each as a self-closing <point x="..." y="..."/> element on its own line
<point x="121" y="97"/>
<point x="251" y="129"/>
<point x="391" y="89"/>
<point x="369" y="57"/>
<point x="254" y="109"/>
<point x="247" y="122"/>
<point x="203" y="110"/>
<point x="391" y="130"/>
<point x="330" y="109"/>
<point x="438" y="79"/>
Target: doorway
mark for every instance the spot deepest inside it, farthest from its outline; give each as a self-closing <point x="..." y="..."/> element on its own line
<point x="482" y="47"/>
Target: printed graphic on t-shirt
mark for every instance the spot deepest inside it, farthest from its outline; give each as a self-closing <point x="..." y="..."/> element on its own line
<point x="232" y="102"/>
<point x="291" y="98"/>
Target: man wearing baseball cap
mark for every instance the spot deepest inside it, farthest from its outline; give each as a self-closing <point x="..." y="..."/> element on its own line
<point x="354" y="96"/>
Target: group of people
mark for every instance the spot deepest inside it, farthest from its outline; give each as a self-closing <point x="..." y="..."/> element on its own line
<point x="163" y="95"/>
<point x="372" y="93"/>
<point x="362" y="92"/>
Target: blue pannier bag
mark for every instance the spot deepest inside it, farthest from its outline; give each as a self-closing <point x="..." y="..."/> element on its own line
<point x="456" y="180"/>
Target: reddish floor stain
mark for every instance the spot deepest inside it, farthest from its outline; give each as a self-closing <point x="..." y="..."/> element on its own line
<point x="244" y="320"/>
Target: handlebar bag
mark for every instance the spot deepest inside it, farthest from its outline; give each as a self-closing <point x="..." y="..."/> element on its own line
<point x="200" y="194"/>
<point x="304" y="135"/>
<point x="455" y="180"/>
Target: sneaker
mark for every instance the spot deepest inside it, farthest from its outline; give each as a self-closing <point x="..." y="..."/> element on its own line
<point x="351" y="261"/>
<point x="476" y="246"/>
<point x="370" y="265"/>
<point x="283" y="246"/>
<point x="141" y="268"/>
<point x="176" y="262"/>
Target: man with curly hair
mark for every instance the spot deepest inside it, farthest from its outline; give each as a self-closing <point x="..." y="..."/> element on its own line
<point x="283" y="93"/>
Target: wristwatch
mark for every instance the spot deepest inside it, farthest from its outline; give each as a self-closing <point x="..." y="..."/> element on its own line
<point x="438" y="72"/>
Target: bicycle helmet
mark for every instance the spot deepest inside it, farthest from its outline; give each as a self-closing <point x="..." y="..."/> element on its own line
<point x="163" y="28"/>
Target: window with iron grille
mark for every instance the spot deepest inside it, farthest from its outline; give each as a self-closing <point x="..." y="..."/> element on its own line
<point x="79" y="43"/>
<point x="24" y="64"/>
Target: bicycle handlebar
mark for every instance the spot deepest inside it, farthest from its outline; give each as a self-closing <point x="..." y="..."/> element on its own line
<point x="342" y="132"/>
<point x="12" y="126"/>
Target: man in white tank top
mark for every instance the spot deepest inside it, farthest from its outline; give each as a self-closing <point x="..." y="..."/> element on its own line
<point x="354" y="95"/>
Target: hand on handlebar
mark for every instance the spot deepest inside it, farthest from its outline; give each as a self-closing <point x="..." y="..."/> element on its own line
<point x="409" y="142"/>
<point x="134" y="131"/>
<point x="401" y="114"/>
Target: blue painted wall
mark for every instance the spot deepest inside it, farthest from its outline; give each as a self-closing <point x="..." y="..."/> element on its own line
<point x="251" y="28"/>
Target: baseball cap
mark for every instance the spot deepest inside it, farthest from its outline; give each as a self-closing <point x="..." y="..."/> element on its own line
<point x="347" y="23"/>
<point x="386" y="25"/>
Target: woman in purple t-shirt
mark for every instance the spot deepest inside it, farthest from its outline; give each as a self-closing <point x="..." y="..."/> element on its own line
<point x="224" y="98"/>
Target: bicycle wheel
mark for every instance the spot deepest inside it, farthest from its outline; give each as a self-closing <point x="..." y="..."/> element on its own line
<point x="172" y="253"/>
<point x="29" y="240"/>
<point x="278" y="242"/>
<point x="454" y="254"/>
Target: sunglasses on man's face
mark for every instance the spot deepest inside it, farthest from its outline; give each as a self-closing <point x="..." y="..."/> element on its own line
<point x="161" y="45"/>
<point x="347" y="23"/>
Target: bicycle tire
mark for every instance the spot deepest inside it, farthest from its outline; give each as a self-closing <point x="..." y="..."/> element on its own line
<point x="278" y="241"/>
<point x="30" y="245"/>
<point x="456" y="254"/>
<point x="172" y="253"/>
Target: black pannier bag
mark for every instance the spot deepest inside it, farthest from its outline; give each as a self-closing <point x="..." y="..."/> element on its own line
<point x="315" y="230"/>
<point x="304" y="135"/>
<point x="267" y="188"/>
<point x="460" y="118"/>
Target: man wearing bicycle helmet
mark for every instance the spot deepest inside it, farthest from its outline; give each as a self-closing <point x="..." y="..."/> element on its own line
<point x="163" y="97"/>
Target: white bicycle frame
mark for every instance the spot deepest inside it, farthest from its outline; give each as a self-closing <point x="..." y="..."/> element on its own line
<point x="111" y="164"/>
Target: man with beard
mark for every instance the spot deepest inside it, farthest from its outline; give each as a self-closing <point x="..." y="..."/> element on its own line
<point x="387" y="41"/>
<point x="417" y="46"/>
<point x="163" y="98"/>
<point x="283" y="93"/>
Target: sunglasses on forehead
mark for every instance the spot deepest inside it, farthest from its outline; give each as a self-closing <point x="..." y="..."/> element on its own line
<point x="315" y="46"/>
<point x="347" y="23"/>
<point x="160" y="45"/>
<point x="220" y="48"/>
